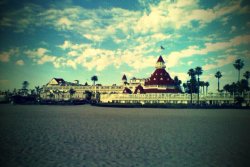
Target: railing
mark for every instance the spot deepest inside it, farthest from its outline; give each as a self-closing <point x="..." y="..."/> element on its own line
<point x="171" y="97"/>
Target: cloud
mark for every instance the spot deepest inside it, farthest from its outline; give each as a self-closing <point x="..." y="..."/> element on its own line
<point x="66" y="45"/>
<point x="45" y="59"/>
<point x="72" y="53"/>
<point x="220" y="63"/>
<point x="40" y="55"/>
<point x="36" y="53"/>
<point x="4" y="81"/>
<point x="181" y="75"/>
<point x="64" y="23"/>
<point x="190" y="62"/>
<point x="136" y="57"/>
<point x="20" y="62"/>
<point x="71" y="63"/>
<point x="23" y="18"/>
<point x="136" y="33"/>
<point x="233" y="29"/>
<point x="180" y="14"/>
<point x="174" y="57"/>
<point x="5" y="56"/>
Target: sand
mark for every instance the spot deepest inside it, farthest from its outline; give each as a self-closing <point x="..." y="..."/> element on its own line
<point x="78" y="136"/>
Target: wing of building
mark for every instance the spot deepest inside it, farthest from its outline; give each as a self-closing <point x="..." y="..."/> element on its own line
<point x="159" y="82"/>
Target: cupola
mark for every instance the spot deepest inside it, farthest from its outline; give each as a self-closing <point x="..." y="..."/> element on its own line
<point x="160" y="64"/>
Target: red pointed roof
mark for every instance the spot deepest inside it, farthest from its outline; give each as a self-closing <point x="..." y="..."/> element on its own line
<point x="127" y="91"/>
<point x="124" y="77"/>
<point x="139" y="89"/>
<point x="59" y="80"/>
<point x="160" y="77"/>
<point x="160" y="59"/>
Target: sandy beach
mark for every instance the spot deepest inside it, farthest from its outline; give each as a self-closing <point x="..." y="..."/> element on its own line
<point x="65" y="136"/>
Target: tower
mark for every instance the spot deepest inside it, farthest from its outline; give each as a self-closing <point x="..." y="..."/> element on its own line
<point x="124" y="79"/>
<point x="160" y="64"/>
<point x="160" y="77"/>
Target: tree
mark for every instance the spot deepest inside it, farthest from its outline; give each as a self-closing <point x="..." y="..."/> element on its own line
<point x="242" y="86"/>
<point x="191" y="73"/>
<point x="25" y="84"/>
<point x="38" y="91"/>
<point x="202" y="85"/>
<point x="71" y="92"/>
<point x="88" y="95"/>
<point x="239" y="100"/>
<point x="218" y="75"/>
<point x="238" y="64"/>
<point x="177" y="82"/>
<point x="185" y="87"/>
<point x="94" y="79"/>
<point x="247" y="75"/>
<point x="24" y="90"/>
<point x="227" y="88"/>
<point x="198" y="72"/>
<point x="233" y="87"/>
<point x="14" y="91"/>
<point x="33" y="92"/>
<point x="207" y="85"/>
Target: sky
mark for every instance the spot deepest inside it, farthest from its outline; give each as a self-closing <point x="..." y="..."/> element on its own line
<point x="76" y="39"/>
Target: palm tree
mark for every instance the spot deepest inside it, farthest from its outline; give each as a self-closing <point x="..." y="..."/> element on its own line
<point x="227" y="88"/>
<point x="25" y="84"/>
<point x="38" y="91"/>
<point x="185" y="87"/>
<point x="247" y="75"/>
<point x="198" y="72"/>
<point x="202" y="85"/>
<point x="243" y="86"/>
<point x="191" y="73"/>
<point x="239" y="64"/>
<point x="24" y="87"/>
<point x="71" y="92"/>
<point x="218" y="75"/>
<point x="94" y="78"/>
<point x="177" y="82"/>
<point x="207" y="85"/>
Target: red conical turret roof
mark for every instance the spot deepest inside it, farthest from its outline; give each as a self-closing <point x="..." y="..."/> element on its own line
<point x="160" y="59"/>
<point x="124" y="77"/>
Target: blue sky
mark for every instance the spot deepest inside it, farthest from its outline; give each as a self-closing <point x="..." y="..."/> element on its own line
<point x="76" y="39"/>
